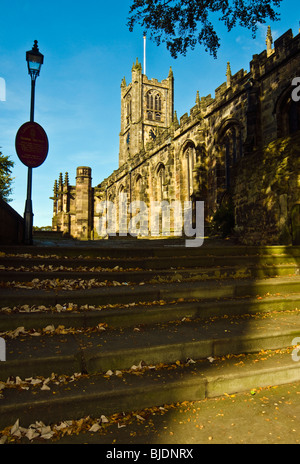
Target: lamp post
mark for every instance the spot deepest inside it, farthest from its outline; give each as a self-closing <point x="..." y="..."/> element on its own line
<point x="34" y="61"/>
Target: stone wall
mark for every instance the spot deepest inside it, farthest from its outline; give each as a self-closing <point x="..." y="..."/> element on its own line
<point x="266" y="192"/>
<point x="11" y="225"/>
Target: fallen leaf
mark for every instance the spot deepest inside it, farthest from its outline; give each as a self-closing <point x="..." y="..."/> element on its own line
<point x="45" y="387"/>
<point x="95" y="428"/>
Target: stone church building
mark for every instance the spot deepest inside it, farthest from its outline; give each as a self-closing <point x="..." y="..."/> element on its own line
<point x="238" y="151"/>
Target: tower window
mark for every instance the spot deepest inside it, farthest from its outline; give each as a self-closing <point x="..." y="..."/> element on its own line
<point x="128" y="111"/>
<point x="154" y="105"/>
<point x="157" y="103"/>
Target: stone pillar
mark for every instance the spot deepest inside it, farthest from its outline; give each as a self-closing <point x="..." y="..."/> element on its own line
<point x="83" y="202"/>
<point x="60" y="193"/>
<point x="269" y="42"/>
<point x="228" y="75"/>
<point x="55" y="190"/>
<point x="66" y="206"/>
<point x="54" y="198"/>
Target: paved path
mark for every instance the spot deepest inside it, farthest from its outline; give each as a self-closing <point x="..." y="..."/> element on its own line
<point x="270" y="416"/>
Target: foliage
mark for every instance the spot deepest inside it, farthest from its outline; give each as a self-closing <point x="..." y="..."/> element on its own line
<point x="6" y="180"/>
<point x="43" y="228"/>
<point x="183" y="23"/>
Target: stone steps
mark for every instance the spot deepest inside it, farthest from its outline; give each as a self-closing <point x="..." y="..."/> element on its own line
<point x="152" y="262"/>
<point x="100" y="350"/>
<point x="147" y="249"/>
<point x="224" y="332"/>
<point x="129" y="315"/>
<point x="97" y="395"/>
<point x="153" y="276"/>
<point x="213" y="288"/>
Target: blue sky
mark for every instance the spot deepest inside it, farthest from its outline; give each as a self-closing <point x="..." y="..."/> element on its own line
<point x="88" y="49"/>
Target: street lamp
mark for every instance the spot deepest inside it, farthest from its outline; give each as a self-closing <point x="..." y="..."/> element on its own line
<point x="34" y="61"/>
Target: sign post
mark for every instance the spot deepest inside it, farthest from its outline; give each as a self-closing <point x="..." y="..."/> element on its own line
<point x="31" y="140"/>
<point x="32" y="149"/>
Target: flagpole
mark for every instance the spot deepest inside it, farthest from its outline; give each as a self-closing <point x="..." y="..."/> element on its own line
<point x="145" y="54"/>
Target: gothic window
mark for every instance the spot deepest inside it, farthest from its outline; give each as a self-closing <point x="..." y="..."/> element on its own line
<point x="189" y="160"/>
<point x="149" y="101"/>
<point x="228" y="162"/>
<point x="291" y="117"/>
<point x="157" y="102"/>
<point x="288" y="115"/>
<point x="128" y="110"/>
<point x="160" y="180"/>
<point x="294" y="117"/>
<point x="154" y="106"/>
<point x="138" y="187"/>
<point x="231" y="149"/>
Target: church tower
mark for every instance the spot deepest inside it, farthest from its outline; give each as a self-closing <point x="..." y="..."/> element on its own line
<point x="147" y="106"/>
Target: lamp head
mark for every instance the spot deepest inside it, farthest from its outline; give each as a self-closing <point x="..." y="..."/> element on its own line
<point x="34" y="59"/>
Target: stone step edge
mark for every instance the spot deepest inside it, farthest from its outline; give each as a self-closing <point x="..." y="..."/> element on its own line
<point x="196" y="273"/>
<point x="147" y="314"/>
<point x="114" y="397"/>
<point x="152" y="251"/>
<point x="167" y="291"/>
<point x="156" y="262"/>
<point x="92" y="361"/>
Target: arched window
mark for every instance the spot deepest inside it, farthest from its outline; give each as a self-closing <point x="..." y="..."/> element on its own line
<point x="290" y="120"/>
<point x="154" y="106"/>
<point x="288" y="114"/>
<point x="189" y="157"/>
<point x="150" y="101"/>
<point x="128" y="110"/>
<point x="157" y="102"/>
<point x="160" y="180"/>
<point x="138" y="187"/>
<point x="230" y="143"/>
<point x="121" y="209"/>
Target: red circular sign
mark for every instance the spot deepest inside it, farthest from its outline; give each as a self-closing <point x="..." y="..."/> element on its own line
<point x="32" y="144"/>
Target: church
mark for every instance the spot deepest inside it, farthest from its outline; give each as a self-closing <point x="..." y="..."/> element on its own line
<point x="238" y="152"/>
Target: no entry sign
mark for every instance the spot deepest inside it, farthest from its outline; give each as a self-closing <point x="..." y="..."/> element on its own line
<point x="32" y="144"/>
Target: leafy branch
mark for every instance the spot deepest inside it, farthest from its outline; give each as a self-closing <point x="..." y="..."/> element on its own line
<point x="181" y="24"/>
<point x="6" y="180"/>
